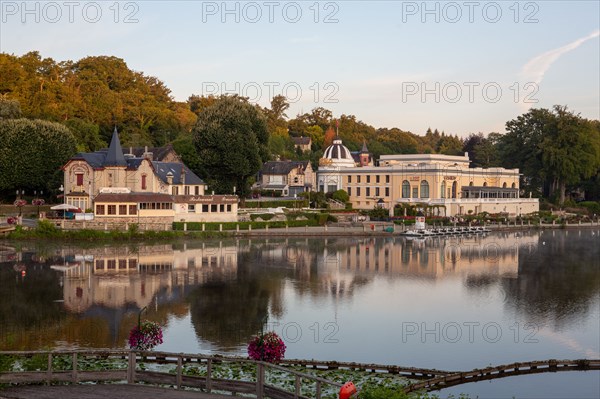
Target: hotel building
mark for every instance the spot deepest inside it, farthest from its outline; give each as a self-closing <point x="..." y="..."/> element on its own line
<point x="443" y="183"/>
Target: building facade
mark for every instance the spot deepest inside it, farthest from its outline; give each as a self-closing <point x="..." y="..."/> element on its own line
<point x="443" y="183"/>
<point x="130" y="187"/>
<point x="288" y="177"/>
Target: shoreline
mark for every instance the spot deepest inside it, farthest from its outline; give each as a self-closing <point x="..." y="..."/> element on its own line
<point x="375" y="229"/>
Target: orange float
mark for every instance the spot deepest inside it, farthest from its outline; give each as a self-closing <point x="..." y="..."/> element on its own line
<point x="347" y="390"/>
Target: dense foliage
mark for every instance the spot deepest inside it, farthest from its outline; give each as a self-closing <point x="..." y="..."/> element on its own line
<point x="32" y="153"/>
<point x="231" y="139"/>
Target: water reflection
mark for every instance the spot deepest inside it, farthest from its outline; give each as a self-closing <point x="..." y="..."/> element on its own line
<point x="229" y="288"/>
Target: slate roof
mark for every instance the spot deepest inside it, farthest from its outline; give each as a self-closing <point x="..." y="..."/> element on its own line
<point x="158" y="153"/>
<point x="163" y="168"/>
<point x="281" y="167"/>
<point x="301" y="140"/>
<point x="114" y="155"/>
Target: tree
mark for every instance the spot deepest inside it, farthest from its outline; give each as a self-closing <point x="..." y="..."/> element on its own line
<point x="33" y="151"/>
<point x="9" y="109"/>
<point x="553" y="148"/>
<point x="231" y="138"/>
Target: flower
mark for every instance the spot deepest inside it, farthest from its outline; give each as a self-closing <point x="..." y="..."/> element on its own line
<point x="20" y="202"/>
<point x="11" y="220"/>
<point x="38" y="202"/>
<point x="145" y="336"/>
<point x="267" y="347"/>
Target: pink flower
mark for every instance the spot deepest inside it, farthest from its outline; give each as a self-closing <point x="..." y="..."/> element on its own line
<point x="267" y="347"/>
<point x="145" y="336"/>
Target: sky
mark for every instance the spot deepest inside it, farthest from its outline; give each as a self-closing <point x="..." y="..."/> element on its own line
<point x="461" y="67"/>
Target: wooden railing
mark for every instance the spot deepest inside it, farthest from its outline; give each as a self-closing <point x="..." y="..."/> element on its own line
<point x="127" y="369"/>
<point x="506" y="370"/>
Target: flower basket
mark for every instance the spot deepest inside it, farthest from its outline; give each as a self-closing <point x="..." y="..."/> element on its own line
<point x="267" y="347"/>
<point x="145" y="336"/>
<point x="20" y="203"/>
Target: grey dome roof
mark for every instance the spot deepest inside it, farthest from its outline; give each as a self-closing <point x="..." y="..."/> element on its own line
<point x="339" y="154"/>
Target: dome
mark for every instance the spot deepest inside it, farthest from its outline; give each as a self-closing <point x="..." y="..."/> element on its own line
<point x="338" y="154"/>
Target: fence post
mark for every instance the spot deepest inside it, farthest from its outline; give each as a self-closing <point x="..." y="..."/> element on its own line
<point x="49" y="371"/>
<point x="74" y="362"/>
<point x="179" y="370"/>
<point x="131" y="368"/>
<point x="318" y="390"/>
<point x="297" y="391"/>
<point x="260" y="380"/>
<point x="209" y="375"/>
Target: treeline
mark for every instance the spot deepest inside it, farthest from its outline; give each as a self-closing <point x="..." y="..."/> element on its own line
<point x="557" y="151"/>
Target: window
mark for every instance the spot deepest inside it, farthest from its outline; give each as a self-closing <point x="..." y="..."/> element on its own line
<point x="205" y="208"/>
<point x="79" y="178"/>
<point x="368" y="179"/>
<point x="443" y="190"/>
<point x="377" y="191"/>
<point x="349" y="179"/>
<point x="377" y="178"/>
<point x="122" y="209"/>
<point x="144" y="182"/>
<point x="175" y="190"/>
<point x="213" y="208"/>
<point x="191" y="208"/>
<point x="387" y="178"/>
<point x="424" y="189"/>
<point x="504" y="185"/>
<point x="111" y="264"/>
<point x="358" y="191"/>
<point x="187" y="190"/>
<point x="221" y="208"/>
<point x="358" y="179"/>
<point x="368" y="193"/>
<point x="415" y="192"/>
<point x="513" y="185"/>
<point x="405" y="189"/>
<point x="228" y="208"/>
<point x="387" y="191"/>
<point x="196" y="190"/>
<point x="133" y="209"/>
<point x="112" y="209"/>
<point x="349" y="192"/>
<point x="484" y="184"/>
<point x="99" y="209"/>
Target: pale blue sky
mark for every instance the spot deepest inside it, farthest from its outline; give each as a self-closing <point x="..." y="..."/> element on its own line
<point x="384" y="61"/>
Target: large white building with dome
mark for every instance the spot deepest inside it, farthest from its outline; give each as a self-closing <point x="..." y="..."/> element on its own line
<point x="444" y="183"/>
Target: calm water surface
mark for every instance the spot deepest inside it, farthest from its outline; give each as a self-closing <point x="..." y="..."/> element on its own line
<point x="447" y="303"/>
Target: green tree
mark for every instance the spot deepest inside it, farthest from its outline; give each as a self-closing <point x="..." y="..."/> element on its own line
<point x="86" y="134"/>
<point x="32" y="153"/>
<point x="552" y="148"/>
<point x="231" y="138"/>
<point x="9" y="109"/>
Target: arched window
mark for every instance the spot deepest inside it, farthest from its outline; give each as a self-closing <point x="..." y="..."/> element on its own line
<point x="513" y="185"/>
<point x="471" y="184"/>
<point x="504" y="185"/>
<point x="424" y="189"/>
<point x="484" y="184"/>
<point x="405" y="189"/>
<point x="443" y="190"/>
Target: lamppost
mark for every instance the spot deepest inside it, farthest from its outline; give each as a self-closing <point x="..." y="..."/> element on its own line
<point x="62" y="189"/>
<point x="38" y="201"/>
<point x="20" y="203"/>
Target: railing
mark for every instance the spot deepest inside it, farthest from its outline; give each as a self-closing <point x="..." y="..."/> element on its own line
<point x="502" y="371"/>
<point x="133" y="367"/>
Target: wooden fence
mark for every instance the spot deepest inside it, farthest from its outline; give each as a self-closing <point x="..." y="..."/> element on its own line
<point x="130" y="371"/>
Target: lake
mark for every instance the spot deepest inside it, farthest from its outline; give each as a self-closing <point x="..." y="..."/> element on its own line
<point x="453" y="303"/>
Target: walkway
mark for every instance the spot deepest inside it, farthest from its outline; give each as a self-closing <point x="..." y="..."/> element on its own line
<point x="102" y="391"/>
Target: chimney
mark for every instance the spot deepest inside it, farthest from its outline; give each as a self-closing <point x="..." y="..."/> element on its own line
<point x="170" y="178"/>
<point x="147" y="155"/>
<point x="182" y="180"/>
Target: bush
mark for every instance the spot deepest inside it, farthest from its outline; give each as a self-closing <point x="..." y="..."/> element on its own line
<point x="341" y="195"/>
<point x="592" y="207"/>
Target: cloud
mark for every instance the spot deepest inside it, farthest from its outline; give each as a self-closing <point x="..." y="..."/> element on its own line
<point x="536" y="68"/>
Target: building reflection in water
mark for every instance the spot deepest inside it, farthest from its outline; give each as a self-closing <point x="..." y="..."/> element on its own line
<point x="228" y="288"/>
